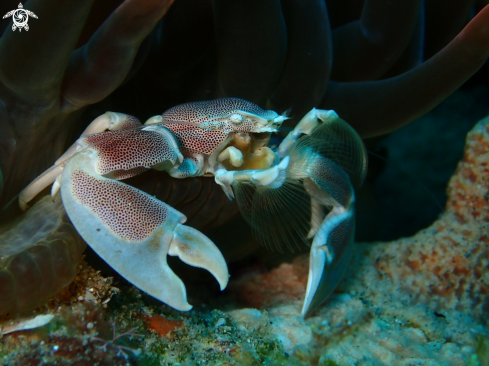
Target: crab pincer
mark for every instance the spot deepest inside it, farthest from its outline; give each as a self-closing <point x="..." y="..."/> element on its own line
<point x="131" y="230"/>
<point x="134" y="232"/>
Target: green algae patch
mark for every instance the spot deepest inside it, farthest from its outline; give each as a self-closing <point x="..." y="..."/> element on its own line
<point x="201" y="337"/>
<point x="481" y="355"/>
<point x="212" y="339"/>
<point x="329" y="363"/>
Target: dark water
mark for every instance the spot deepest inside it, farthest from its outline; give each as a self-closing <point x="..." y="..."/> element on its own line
<point x="420" y="159"/>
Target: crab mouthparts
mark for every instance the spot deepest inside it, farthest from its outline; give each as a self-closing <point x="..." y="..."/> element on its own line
<point x="274" y="124"/>
<point x="278" y="120"/>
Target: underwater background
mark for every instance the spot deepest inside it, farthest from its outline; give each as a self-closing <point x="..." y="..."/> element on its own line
<point x="416" y="289"/>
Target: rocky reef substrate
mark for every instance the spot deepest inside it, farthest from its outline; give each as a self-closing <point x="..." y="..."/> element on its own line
<point x="421" y="300"/>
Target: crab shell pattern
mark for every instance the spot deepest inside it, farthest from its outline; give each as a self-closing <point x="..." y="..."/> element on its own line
<point x="300" y="192"/>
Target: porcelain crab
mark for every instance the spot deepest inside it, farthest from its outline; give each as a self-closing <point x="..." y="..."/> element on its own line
<point x="300" y="191"/>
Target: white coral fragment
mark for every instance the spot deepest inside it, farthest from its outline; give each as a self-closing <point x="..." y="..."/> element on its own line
<point x="11" y="326"/>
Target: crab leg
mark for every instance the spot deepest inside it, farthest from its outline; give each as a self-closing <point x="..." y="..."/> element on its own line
<point x="308" y="195"/>
<point x="131" y="230"/>
<point x="331" y="246"/>
<point x="306" y="125"/>
<point x="108" y="121"/>
<point x="38" y="184"/>
<point x="330" y="189"/>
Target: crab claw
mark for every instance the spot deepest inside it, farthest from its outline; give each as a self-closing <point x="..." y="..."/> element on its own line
<point x="308" y="195"/>
<point x="195" y="249"/>
<point x="134" y="232"/>
<point x="333" y="234"/>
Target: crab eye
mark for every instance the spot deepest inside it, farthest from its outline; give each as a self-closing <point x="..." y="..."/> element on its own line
<point x="236" y="118"/>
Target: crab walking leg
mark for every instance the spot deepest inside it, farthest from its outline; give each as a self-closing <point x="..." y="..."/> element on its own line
<point x="133" y="231"/>
<point x="317" y="217"/>
<point x="38" y="184"/>
<point x="306" y="125"/>
<point x="111" y="121"/>
<point x="329" y="186"/>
